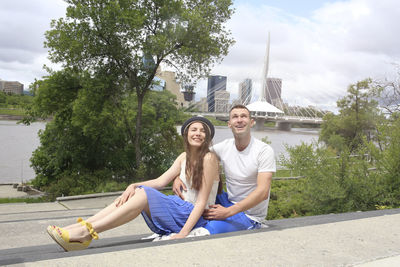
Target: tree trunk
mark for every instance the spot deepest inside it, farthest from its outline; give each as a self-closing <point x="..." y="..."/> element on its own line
<point x="138" y="151"/>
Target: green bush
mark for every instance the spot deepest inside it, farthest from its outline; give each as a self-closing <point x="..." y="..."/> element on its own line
<point x="69" y="184"/>
<point x="331" y="183"/>
<point x="286" y="200"/>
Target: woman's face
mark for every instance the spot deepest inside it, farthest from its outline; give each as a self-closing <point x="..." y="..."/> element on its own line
<point x="196" y="134"/>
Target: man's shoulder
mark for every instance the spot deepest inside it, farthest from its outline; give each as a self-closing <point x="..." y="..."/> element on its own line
<point x="260" y="145"/>
<point x="224" y="143"/>
<point x="222" y="147"/>
<point x="265" y="156"/>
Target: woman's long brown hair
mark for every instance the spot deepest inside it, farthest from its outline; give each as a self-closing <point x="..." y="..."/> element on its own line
<point x="194" y="172"/>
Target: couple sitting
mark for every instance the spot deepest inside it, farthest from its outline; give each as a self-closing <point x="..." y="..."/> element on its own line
<point x="248" y="165"/>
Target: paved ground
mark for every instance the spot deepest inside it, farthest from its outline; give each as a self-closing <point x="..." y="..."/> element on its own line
<point x="360" y="238"/>
<point x="8" y="191"/>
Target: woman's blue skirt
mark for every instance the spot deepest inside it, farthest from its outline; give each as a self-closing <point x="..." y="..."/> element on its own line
<point x="168" y="213"/>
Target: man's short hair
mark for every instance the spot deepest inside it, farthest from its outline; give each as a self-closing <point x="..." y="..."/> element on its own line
<point x="239" y="106"/>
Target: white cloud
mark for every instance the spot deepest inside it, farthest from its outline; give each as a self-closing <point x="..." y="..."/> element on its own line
<point x="22" y="27"/>
<point x="317" y="57"/>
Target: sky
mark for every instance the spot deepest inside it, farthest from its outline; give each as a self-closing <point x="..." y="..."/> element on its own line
<point x="317" y="47"/>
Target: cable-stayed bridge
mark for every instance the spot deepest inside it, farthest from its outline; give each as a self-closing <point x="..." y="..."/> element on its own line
<point x="275" y="118"/>
<point x="269" y="106"/>
<point x="283" y="122"/>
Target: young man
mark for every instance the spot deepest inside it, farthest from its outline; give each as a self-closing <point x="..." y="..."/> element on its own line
<point x="248" y="166"/>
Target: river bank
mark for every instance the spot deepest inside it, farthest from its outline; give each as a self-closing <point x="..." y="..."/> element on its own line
<point x="19" y="191"/>
<point x="19" y="141"/>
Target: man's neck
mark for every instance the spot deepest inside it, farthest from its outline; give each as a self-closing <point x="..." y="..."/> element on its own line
<point x="242" y="142"/>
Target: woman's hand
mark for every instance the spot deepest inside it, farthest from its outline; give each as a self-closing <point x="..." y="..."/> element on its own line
<point x="178" y="236"/>
<point x="128" y="193"/>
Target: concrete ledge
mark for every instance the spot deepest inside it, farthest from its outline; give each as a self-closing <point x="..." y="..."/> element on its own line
<point x="346" y="239"/>
<point x="328" y="240"/>
<point x="97" y="195"/>
<point x="11" y="117"/>
<point x="109" y="194"/>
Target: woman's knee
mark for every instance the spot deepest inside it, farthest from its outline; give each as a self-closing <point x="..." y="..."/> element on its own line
<point x="141" y="193"/>
<point x="138" y="189"/>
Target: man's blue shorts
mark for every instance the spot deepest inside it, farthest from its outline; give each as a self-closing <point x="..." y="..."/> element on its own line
<point x="236" y="222"/>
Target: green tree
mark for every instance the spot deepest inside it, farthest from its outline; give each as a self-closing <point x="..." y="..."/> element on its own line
<point x="10" y="100"/>
<point x="357" y="118"/>
<point x="388" y="93"/>
<point x="85" y="145"/>
<point x="386" y="157"/>
<point x="130" y="39"/>
<point x="3" y="99"/>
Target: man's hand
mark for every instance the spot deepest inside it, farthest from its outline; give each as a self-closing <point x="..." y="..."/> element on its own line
<point x="216" y="212"/>
<point x="127" y="194"/>
<point x="178" y="186"/>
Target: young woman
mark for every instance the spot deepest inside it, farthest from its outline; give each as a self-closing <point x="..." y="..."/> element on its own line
<point x="197" y="167"/>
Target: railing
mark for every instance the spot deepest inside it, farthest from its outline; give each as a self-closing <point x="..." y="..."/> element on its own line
<point x="288" y="178"/>
<point x="294" y="119"/>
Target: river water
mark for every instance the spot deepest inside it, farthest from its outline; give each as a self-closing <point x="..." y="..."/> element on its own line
<point x="18" y="141"/>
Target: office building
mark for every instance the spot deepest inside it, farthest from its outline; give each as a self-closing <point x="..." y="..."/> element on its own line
<point x="245" y="90"/>
<point x="221" y="101"/>
<point x="272" y="91"/>
<point x="168" y="82"/>
<point x="12" y="87"/>
<point x="158" y="84"/>
<point x="215" y="83"/>
<point x="201" y="105"/>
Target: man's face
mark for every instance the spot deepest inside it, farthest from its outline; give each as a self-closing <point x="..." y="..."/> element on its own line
<point x="240" y="122"/>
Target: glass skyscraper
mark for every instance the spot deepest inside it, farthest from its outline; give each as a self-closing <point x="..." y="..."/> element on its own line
<point x="215" y="83"/>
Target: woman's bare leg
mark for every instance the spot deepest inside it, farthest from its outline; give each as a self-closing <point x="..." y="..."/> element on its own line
<point x="127" y="212"/>
<point x="121" y="215"/>
<point x="99" y="215"/>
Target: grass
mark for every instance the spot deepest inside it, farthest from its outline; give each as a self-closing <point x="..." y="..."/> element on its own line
<point x="16" y="112"/>
<point x="24" y="200"/>
<point x="217" y="122"/>
<point x="270" y="124"/>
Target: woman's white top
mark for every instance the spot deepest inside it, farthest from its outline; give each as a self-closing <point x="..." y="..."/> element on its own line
<point x="191" y="194"/>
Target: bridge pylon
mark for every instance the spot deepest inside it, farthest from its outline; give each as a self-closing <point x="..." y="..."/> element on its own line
<point x="259" y="124"/>
<point x="283" y="125"/>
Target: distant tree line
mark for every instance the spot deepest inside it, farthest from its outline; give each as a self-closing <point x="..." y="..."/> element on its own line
<point x="8" y="100"/>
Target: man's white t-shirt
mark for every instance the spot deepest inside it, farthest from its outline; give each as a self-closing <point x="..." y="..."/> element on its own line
<point x="241" y="169"/>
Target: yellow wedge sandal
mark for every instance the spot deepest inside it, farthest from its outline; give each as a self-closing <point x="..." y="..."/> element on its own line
<point x="61" y="236"/>
<point x="50" y="229"/>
